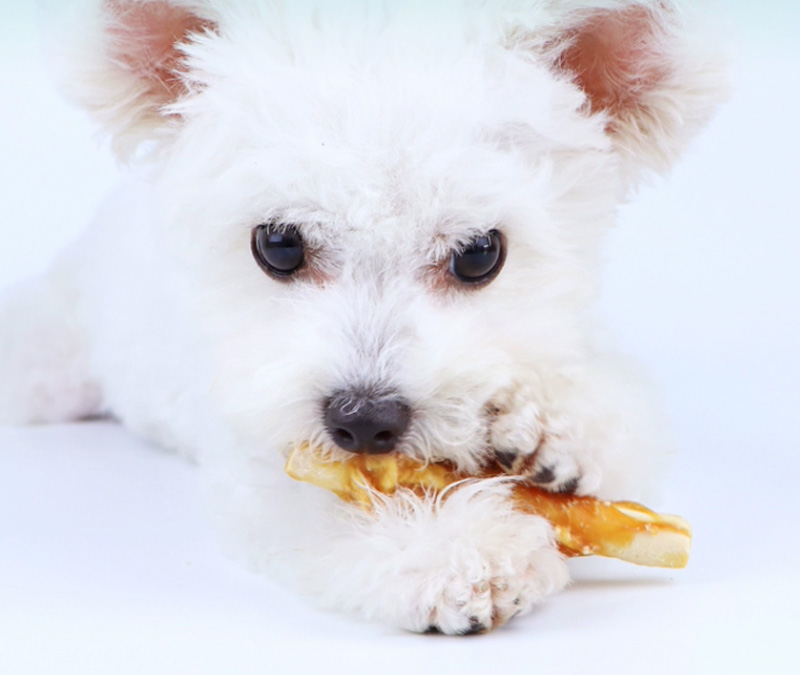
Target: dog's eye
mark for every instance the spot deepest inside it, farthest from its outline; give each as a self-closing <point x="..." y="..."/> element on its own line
<point x="278" y="249"/>
<point x="480" y="261"/>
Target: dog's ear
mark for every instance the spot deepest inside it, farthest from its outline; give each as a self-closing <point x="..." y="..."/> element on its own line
<point x="640" y="66"/>
<point x="125" y="63"/>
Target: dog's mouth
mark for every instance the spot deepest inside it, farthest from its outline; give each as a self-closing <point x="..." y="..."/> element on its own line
<point x="443" y="427"/>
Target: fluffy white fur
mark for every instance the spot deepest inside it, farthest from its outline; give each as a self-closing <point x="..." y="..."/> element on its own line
<point x="391" y="133"/>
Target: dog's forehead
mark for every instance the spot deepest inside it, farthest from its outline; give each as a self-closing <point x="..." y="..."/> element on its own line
<point x="415" y="92"/>
<point x="409" y="81"/>
<point x="392" y="197"/>
<point x="404" y="139"/>
<point x="432" y="147"/>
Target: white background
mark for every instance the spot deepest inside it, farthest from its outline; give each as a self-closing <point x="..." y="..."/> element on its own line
<point x="107" y="560"/>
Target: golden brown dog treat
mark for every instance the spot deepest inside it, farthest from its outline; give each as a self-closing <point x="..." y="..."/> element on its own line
<point x="583" y="525"/>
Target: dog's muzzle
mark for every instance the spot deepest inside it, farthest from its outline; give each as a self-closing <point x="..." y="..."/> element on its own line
<point x="365" y="424"/>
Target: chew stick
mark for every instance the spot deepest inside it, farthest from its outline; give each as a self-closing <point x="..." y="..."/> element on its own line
<point x="582" y="525"/>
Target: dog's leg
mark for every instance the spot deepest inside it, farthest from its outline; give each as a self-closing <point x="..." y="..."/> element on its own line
<point x="589" y="429"/>
<point x="44" y="366"/>
<point x="464" y="564"/>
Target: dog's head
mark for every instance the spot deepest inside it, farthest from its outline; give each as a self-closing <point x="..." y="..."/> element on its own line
<point x="392" y="210"/>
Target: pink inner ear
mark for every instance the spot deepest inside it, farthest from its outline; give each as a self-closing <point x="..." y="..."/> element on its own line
<point x="144" y="39"/>
<point x="615" y="58"/>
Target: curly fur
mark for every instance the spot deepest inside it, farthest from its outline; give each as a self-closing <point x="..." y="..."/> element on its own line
<point x="391" y="134"/>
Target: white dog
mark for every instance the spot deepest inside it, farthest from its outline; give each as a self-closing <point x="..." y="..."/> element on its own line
<point x="373" y="225"/>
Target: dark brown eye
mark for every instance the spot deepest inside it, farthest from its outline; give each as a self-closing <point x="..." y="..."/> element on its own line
<point x="278" y="249"/>
<point x="480" y="261"/>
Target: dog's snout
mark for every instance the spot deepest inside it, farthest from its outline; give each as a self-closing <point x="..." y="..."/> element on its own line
<point x="365" y="425"/>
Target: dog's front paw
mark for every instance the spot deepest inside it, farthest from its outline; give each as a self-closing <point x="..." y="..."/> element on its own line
<point x="534" y="438"/>
<point x="484" y="563"/>
<point x="462" y="563"/>
<point x="481" y="592"/>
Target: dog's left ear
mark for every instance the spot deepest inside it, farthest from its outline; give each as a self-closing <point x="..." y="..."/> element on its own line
<point x="124" y="61"/>
<point x="640" y="67"/>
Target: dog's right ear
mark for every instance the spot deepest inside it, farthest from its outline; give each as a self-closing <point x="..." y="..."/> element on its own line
<point x="124" y="61"/>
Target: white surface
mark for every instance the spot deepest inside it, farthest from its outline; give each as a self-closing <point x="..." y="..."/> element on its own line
<point x="107" y="560"/>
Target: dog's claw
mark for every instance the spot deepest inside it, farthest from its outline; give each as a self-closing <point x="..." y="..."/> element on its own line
<point x="506" y="458"/>
<point x="546" y="474"/>
<point x="475" y="627"/>
<point x="569" y="487"/>
<point x="548" y="478"/>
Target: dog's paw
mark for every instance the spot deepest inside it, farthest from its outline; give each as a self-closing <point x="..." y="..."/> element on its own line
<point x="536" y="439"/>
<point x="461" y="563"/>
<point x="480" y="593"/>
<point x="481" y="563"/>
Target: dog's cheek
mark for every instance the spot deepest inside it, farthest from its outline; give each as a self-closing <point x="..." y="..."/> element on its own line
<point x="269" y="362"/>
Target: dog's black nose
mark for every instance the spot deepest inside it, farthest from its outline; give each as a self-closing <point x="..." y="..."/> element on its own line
<point x="366" y="425"/>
